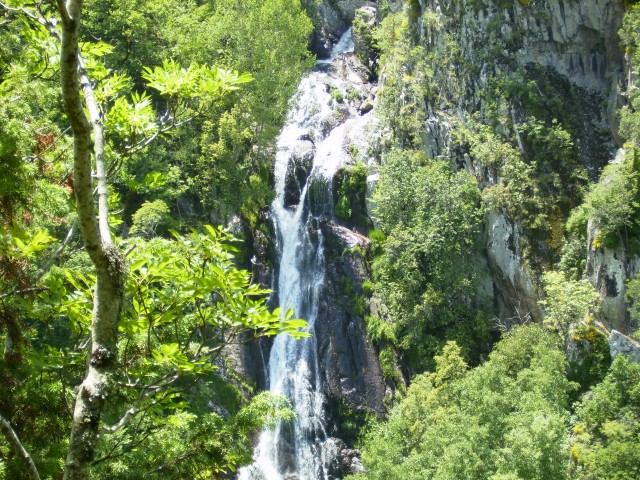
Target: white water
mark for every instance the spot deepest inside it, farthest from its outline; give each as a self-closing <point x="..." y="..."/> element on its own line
<point x="302" y="450"/>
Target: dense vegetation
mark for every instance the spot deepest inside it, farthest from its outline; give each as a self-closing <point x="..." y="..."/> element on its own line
<point x="509" y="419"/>
<point x="504" y="419"/>
<point x="189" y="97"/>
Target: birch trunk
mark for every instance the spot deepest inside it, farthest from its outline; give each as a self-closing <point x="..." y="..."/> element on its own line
<point x="108" y="261"/>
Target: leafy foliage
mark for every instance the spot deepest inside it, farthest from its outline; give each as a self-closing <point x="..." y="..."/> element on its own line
<point x="186" y="300"/>
<point x="426" y="273"/>
<point x="613" y="204"/>
<point x="350" y="187"/>
<point x="504" y="419"/>
<point x="568" y="302"/>
<point x="186" y="303"/>
<point x="630" y="114"/>
<point x="147" y="219"/>
<point x="194" y="445"/>
<point x="606" y="437"/>
<point x="232" y="172"/>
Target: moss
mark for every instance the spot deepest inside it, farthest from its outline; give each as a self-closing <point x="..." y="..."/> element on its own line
<point x="353" y="95"/>
<point x="390" y="370"/>
<point x="358" y="304"/>
<point x="350" y="420"/>
<point x="350" y="188"/>
<point x="337" y="95"/>
<point x="343" y="208"/>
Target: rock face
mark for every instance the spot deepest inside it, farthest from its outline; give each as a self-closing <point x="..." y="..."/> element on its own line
<point x="609" y="271"/>
<point x="513" y="288"/>
<point x="348" y="360"/>
<point x="577" y="39"/>
<point x="367" y="17"/>
<point x="365" y="22"/>
<point x="620" y="344"/>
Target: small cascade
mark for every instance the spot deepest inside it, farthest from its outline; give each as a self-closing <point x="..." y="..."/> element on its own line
<point x="311" y="148"/>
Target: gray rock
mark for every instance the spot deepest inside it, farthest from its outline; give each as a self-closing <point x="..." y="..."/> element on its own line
<point x="299" y="170"/>
<point x="568" y="47"/>
<point x="351" y="69"/>
<point x="516" y="297"/>
<point x="609" y="270"/>
<point x="348" y="360"/>
<point x="620" y="344"/>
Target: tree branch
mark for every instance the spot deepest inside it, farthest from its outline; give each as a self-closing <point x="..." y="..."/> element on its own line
<point x="136" y="409"/>
<point x="98" y="151"/>
<point x="107" y="259"/>
<point x="21" y="292"/>
<point x="11" y="437"/>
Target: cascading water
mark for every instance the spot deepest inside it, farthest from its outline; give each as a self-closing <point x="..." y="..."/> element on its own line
<point x="302" y="450"/>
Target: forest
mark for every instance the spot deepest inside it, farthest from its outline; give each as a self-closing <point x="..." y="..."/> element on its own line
<point x="320" y="239"/>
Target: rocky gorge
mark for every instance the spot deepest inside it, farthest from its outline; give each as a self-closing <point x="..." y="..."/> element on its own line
<point x="507" y="65"/>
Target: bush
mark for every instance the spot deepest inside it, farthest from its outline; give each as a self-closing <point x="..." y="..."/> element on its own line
<point x="425" y="274"/>
<point x="606" y="443"/>
<point x="149" y="217"/>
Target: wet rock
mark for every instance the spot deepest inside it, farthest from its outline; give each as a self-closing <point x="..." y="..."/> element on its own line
<point x="298" y="171"/>
<point x="348" y="360"/>
<point x="346" y="460"/>
<point x="332" y="19"/>
<point x="349" y="68"/>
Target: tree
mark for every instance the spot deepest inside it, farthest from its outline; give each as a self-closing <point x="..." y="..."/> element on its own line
<point x="186" y="94"/>
<point x="568" y="302"/>
<point x="108" y="261"/>
<point x="606" y="440"/>
<point x="426" y="273"/>
<point x="504" y="419"/>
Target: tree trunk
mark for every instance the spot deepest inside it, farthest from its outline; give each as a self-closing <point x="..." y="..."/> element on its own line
<point x="108" y="261"/>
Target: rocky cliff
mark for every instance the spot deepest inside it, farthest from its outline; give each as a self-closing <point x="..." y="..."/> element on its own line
<point x="508" y="65"/>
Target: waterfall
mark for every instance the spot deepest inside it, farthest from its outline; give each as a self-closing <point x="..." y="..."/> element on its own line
<point x="302" y="450"/>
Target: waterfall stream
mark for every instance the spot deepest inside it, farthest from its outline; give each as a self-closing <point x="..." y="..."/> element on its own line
<point x="302" y="450"/>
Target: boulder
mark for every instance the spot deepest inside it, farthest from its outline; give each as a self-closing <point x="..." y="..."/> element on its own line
<point x="298" y="171"/>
